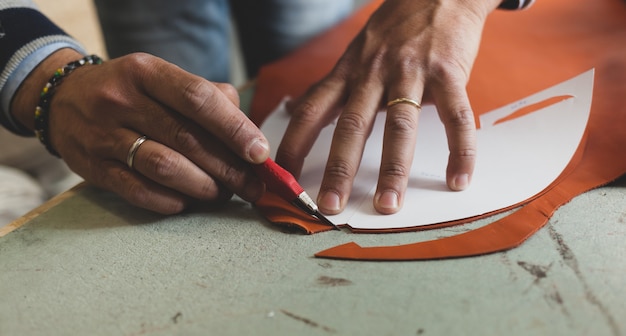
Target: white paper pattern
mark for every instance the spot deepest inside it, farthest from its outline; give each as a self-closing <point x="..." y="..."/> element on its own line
<point x="516" y="160"/>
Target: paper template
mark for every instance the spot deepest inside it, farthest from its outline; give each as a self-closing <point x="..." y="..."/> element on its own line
<point x="522" y="148"/>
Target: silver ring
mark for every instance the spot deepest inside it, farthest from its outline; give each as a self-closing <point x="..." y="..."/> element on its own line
<point x="130" y="158"/>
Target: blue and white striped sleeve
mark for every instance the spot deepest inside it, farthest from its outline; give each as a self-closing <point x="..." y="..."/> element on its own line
<point x="27" y="37"/>
<point x="515" y="4"/>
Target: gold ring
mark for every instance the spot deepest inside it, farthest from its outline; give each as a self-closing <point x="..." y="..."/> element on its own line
<point x="130" y="158"/>
<point x="404" y="101"/>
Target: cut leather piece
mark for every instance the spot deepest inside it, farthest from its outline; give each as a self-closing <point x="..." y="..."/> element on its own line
<point x="501" y="235"/>
<point x="280" y="212"/>
<point x="521" y="53"/>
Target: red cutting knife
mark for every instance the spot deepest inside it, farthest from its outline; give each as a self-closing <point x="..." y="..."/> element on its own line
<point x="283" y="184"/>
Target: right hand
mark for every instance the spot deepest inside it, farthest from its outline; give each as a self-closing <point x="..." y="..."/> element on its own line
<point x="418" y="49"/>
<point x="200" y="145"/>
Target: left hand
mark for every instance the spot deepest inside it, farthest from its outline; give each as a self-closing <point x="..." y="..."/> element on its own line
<point x="418" y="49"/>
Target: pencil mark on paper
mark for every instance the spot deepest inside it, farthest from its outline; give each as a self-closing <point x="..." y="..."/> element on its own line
<point x="307" y="321"/>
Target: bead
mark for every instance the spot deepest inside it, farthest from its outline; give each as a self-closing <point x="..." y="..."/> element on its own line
<point x="41" y="111"/>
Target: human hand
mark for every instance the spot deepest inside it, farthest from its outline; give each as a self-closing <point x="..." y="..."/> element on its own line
<point x="200" y="145"/>
<point x="417" y="49"/>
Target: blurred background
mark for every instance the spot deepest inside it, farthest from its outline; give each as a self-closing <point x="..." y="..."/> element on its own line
<point x="79" y="19"/>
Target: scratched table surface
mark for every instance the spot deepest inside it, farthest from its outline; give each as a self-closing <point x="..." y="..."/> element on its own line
<point x="94" y="265"/>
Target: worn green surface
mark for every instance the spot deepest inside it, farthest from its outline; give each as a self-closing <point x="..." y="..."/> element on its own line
<point x="94" y="265"/>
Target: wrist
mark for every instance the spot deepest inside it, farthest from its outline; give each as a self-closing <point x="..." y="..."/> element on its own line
<point x="479" y="9"/>
<point x="27" y="96"/>
<point x="489" y="6"/>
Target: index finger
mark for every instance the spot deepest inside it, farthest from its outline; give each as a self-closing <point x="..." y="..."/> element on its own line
<point x="313" y="113"/>
<point x="204" y="103"/>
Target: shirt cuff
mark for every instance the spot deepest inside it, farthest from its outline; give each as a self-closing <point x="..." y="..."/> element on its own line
<point x="515" y="4"/>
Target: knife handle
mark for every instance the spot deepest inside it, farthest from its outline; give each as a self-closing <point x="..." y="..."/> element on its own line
<point x="279" y="180"/>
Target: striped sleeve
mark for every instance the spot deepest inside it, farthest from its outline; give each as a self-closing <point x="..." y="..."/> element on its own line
<point x="27" y="37"/>
<point x="515" y="4"/>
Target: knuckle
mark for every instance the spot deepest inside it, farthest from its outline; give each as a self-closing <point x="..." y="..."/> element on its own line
<point x="164" y="166"/>
<point x="183" y="140"/>
<point x="467" y="153"/>
<point x="402" y="123"/>
<point x="237" y="128"/>
<point x="406" y="60"/>
<point x="394" y="169"/>
<point x="138" y="63"/>
<point x="338" y="169"/>
<point x="125" y="183"/>
<point x="377" y="60"/>
<point x="228" y="89"/>
<point x="445" y="70"/>
<point x="134" y="192"/>
<point x="232" y="177"/>
<point x="209" y="191"/>
<point x="137" y="194"/>
<point x="372" y="67"/>
<point x="288" y="154"/>
<point x="306" y="113"/>
<point x="341" y="72"/>
<point x="140" y="59"/>
<point x="198" y="95"/>
<point x="461" y="119"/>
<point x="351" y="123"/>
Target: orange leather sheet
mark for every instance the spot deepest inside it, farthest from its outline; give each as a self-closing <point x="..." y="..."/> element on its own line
<point x="521" y="53"/>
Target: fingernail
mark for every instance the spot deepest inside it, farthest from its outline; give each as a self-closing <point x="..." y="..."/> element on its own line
<point x="259" y="151"/>
<point x="460" y="182"/>
<point x="330" y="202"/>
<point x="388" y="200"/>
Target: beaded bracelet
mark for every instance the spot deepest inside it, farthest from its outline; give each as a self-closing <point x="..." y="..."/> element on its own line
<point x="41" y="111"/>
